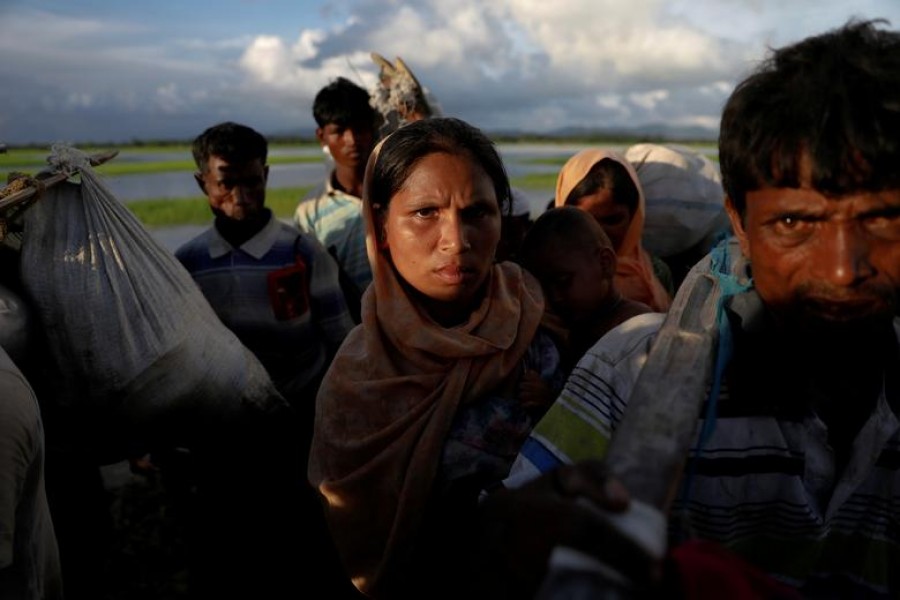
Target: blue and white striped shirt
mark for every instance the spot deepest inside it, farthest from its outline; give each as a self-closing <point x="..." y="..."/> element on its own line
<point x="295" y="335"/>
<point x="335" y="219"/>
<point x="765" y="484"/>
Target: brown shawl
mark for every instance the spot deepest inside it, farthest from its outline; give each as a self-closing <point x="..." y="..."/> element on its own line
<point x="634" y="271"/>
<point x="388" y="400"/>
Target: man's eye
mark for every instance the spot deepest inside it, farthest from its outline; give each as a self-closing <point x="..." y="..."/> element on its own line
<point x="425" y="212"/>
<point x="793" y="224"/>
<point x="791" y="221"/>
<point x="884" y="224"/>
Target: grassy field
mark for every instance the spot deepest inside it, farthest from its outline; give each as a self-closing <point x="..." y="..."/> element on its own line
<point x="168" y="212"/>
<point x="31" y="161"/>
<point x="195" y="211"/>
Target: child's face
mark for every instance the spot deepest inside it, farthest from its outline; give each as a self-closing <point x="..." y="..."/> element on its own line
<point x="576" y="279"/>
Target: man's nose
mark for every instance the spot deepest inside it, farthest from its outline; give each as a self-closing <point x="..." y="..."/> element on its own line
<point x="844" y="261"/>
<point x="241" y="195"/>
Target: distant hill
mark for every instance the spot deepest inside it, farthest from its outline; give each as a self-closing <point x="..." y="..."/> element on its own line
<point x="650" y="132"/>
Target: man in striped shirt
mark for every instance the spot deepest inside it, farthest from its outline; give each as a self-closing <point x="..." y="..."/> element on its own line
<point x="332" y="212"/>
<point x="794" y="468"/>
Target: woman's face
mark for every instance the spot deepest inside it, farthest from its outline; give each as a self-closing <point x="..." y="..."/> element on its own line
<point x="441" y="231"/>
<point x="613" y="218"/>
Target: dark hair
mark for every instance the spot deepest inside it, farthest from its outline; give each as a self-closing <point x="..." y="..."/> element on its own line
<point x="232" y="141"/>
<point x="833" y="97"/>
<point x="344" y="103"/>
<point x="611" y="175"/>
<point x="409" y="144"/>
<point x="571" y="225"/>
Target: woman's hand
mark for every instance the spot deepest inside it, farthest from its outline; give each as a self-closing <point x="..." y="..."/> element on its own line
<point x="535" y="394"/>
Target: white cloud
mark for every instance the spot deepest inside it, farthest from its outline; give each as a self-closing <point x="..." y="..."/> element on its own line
<point x="649" y="100"/>
<point x="533" y="64"/>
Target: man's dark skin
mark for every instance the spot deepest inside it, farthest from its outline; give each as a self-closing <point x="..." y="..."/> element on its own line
<point x="349" y="145"/>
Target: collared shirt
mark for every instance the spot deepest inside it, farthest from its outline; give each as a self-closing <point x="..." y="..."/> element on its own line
<point x="335" y="219"/>
<point x="279" y="293"/>
<point x="765" y="483"/>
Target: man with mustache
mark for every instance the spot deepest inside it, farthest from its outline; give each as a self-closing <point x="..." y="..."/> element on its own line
<point x="791" y="483"/>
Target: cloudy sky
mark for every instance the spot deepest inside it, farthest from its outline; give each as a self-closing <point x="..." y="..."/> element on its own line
<point x="113" y="70"/>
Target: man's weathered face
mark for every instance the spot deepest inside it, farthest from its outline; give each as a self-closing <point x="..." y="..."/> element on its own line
<point x="820" y="261"/>
<point x="235" y="190"/>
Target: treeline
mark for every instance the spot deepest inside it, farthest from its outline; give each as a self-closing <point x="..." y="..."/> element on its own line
<point x="504" y="137"/>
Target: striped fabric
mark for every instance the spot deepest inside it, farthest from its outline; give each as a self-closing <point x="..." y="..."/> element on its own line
<point x="235" y="282"/>
<point x="335" y="219"/>
<point x="763" y="485"/>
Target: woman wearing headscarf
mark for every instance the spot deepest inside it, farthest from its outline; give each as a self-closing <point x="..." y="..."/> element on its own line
<point x="429" y="399"/>
<point x="604" y="184"/>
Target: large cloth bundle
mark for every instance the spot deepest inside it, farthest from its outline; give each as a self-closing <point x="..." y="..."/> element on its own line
<point x="685" y="203"/>
<point x="126" y="326"/>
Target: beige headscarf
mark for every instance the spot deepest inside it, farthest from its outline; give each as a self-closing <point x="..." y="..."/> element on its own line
<point x="388" y="400"/>
<point x="634" y="271"/>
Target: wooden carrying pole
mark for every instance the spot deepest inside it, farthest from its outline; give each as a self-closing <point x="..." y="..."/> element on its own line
<point x="29" y="191"/>
<point x="649" y="448"/>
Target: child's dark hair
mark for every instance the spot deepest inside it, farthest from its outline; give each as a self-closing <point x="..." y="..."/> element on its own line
<point x="343" y="103"/>
<point x="835" y="98"/>
<point x="609" y="175"/>
<point x="568" y="224"/>
<point x="232" y="141"/>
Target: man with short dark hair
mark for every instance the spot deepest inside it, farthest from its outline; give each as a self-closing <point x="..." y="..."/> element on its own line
<point x="346" y="129"/>
<point x="277" y="289"/>
<point x="793" y="467"/>
<point x="274" y="287"/>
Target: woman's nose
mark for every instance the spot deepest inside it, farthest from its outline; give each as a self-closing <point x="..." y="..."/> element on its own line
<point x="454" y="237"/>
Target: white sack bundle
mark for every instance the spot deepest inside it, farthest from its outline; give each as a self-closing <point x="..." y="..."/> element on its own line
<point x="125" y="322"/>
<point x="684" y="199"/>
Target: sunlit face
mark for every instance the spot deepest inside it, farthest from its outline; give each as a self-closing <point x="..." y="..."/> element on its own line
<point x="823" y="262"/>
<point x="349" y="145"/>
<point x="576" y="280"/>
<point x="613" y="218"/>
<point x="441" y="231"/>
<point x="235" y="190"/>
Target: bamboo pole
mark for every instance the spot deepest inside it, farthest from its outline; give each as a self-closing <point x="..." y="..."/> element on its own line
<point x="28" y="192"/>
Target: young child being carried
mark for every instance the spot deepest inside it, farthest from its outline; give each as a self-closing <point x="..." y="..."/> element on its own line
<point x="573" y="258"/>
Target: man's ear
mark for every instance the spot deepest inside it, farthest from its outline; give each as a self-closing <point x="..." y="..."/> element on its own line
<point x="266" y="173"/>
<point x="198" y="177"/>
<point x="737" y="225"/>
<point x="606" y="257"/>
<point x="320" y="135"/>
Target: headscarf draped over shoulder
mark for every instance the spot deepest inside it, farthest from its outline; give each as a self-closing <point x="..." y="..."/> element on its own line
<point x="634" y="270"/>
<point x="388" y="400"/>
